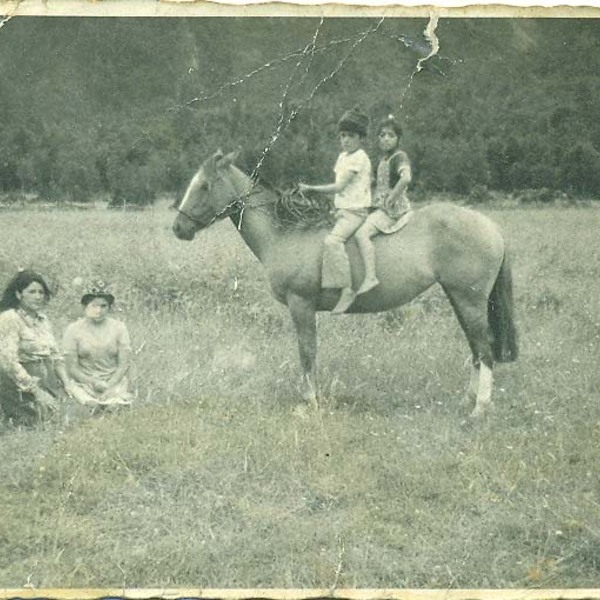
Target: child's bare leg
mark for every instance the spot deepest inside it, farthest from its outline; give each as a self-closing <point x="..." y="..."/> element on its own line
<point x="336" y="266"/>
<point x="346" y="224"/>
<point x="367" y="250"/>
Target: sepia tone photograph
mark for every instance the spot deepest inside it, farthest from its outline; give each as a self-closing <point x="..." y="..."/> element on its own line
<point x="299" y="302"/>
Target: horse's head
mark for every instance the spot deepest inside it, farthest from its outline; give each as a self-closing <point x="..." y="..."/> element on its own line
<point x="210" y="196"/>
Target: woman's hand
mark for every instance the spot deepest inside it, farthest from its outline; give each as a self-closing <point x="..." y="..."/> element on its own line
<point x="45" y="400"/>
<point x="33" y="384"/>
<point x="69" y="388"/>
<point x="304" y="187"/>
<point x="99" y="386"/>
<point x="109" y="392"/>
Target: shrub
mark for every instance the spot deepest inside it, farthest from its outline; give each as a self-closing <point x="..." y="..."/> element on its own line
<point x="533" y="196"/>
<point x="479" y="194"/>
<point x="580" y="170"/>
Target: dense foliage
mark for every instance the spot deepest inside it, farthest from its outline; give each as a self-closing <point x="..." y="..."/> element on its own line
<point x="129" y="107"/>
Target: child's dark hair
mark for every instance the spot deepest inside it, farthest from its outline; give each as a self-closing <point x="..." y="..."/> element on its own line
<point x="354" y="121"/>
<point x="21" y="281"/>
<point x="391" y="123"/>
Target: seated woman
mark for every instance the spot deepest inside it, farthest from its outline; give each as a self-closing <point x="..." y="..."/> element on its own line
<point x="32" y="372"/>
<point x="97" y="352"/>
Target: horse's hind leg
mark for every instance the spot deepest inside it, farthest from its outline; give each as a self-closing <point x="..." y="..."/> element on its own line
<point x="480" y="388"/>
<point x="305" y="322"/>
<point x="471" y="309"/>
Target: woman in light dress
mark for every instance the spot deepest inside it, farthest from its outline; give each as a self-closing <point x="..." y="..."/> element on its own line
<point x="97" y="351"/>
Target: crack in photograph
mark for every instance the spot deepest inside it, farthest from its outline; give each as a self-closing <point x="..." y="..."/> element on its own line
<point x="190" y="207"/>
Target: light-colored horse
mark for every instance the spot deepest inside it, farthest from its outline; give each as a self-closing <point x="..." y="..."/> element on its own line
<point x="458" y="248"/>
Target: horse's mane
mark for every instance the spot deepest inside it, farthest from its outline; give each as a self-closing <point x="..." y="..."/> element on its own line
<point x="298" y="210"/>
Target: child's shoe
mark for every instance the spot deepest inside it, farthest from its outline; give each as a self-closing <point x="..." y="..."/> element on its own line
<point x="345" y="301"/>
<point x="367" y="285"/>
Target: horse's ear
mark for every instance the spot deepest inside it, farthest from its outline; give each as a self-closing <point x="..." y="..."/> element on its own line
<point x="211" y="164"/>
<point x="228" y="159"/>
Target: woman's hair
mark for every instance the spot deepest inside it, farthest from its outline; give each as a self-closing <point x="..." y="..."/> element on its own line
<point x="391" y="123"/>
<point x="21" y="281"/>
<point x="87" y="298"/>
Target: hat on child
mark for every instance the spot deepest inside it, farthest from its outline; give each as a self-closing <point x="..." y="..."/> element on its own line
<point x="354" y="121"/>
<point x="97" y="289"/>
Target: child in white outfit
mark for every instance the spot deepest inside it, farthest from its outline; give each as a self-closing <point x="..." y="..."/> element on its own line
<point x="352" y="190"/>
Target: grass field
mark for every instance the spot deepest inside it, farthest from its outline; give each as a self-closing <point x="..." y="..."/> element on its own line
<point x="210" y="480"/>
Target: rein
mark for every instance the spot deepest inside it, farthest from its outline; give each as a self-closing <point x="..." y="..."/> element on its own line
<point x="238" y="204"/>
<point x="188" y="216"/>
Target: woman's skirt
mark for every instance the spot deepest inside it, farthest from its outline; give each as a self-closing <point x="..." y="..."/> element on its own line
<point x="119" y="395"/>
<point x="386" y="224"/>
<point x="27" y="408"/>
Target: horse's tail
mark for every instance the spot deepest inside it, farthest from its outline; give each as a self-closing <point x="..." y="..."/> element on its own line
<point x="501" y="320"/>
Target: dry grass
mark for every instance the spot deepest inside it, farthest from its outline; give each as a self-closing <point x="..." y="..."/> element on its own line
<point x="209" y="480"/>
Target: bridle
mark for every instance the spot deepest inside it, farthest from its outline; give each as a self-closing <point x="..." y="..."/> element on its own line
<point x="238" y="204"/>
<point x="188" y="216"/>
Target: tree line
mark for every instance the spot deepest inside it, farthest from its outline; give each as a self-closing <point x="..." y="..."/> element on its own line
<point x="128" y="108"/>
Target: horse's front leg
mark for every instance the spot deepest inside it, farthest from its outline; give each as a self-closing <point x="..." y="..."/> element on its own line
<point x="305" y="321"/>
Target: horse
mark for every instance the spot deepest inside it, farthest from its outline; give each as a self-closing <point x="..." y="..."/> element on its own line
<point x="458" y="248"/>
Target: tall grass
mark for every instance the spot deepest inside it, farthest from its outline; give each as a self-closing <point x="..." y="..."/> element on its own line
<point x="211" y="480"/>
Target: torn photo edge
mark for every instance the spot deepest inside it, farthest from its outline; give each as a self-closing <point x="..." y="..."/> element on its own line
<point x="300" y="594"/>
<point x="303" y="8"/>
<point x="362" y="8"/>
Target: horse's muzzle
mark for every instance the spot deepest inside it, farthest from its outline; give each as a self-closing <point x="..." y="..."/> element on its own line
<point x="183" y="233"/>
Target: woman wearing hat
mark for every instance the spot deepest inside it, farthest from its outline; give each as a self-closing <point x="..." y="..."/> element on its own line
<point x="97" y="352"/>
<point x="352" y="189"/>
<point x="32" y="372"/>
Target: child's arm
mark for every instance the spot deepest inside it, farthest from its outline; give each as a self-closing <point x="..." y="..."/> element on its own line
<point x="405" y="173"/>
<point x="330" y="188"/>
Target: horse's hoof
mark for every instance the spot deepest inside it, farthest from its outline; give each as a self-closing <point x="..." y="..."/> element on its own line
<point x="467" y="400"/>
<point x="311" y="401"/>
<point x="480" y="412"/>
<point x="300" y="411"/>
